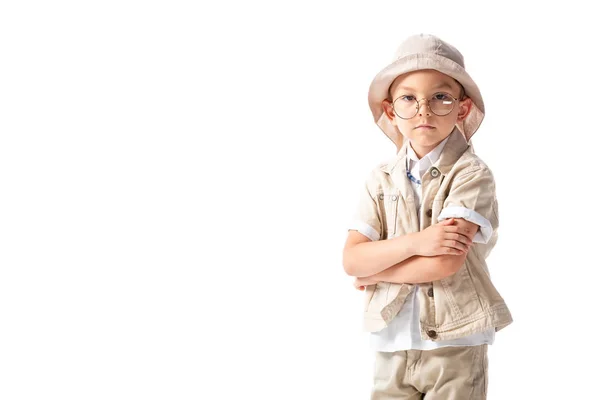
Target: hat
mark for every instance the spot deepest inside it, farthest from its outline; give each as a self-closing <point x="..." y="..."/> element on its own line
<point x="420" y="52"/>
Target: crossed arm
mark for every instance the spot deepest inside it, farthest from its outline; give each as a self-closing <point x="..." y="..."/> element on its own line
<point x="410" y="268"/>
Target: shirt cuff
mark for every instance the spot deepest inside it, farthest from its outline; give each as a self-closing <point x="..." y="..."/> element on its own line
<point x="485" y="227"/>
<point x="365" y="229"/>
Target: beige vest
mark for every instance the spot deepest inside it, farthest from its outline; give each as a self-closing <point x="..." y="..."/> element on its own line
<point x="466" y="302"/>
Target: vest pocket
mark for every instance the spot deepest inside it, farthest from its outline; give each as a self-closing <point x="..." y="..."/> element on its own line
<point x="461" y="296"/>
<point x="388" y="204"/>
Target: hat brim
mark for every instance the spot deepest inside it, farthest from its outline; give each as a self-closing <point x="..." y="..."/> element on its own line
<point x="380" y="86"/>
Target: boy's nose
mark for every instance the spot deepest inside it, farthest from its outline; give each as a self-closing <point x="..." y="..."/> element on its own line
<point x="423" y="105"/>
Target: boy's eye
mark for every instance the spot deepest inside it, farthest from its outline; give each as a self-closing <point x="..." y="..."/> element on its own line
<point x="408" y="98"/>
<point x="441" y="96"/>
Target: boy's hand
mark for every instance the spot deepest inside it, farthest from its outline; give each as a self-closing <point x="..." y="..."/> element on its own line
<point x="362" y="283"/>
<point x="442" y="238"/>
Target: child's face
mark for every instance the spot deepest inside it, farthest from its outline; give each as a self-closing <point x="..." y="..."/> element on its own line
<point x="425" y="130"/>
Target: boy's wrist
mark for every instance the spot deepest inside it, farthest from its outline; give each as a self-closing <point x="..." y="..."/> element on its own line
<point x="408" y="245"/>
<point x="413" y="243"/>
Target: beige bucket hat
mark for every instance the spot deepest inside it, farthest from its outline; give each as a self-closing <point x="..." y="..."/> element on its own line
<point x="420" y="52"/>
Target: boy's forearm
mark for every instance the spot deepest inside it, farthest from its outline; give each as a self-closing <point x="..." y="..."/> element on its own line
<point x="370" y="258"/>
<point x="416" y="269"/>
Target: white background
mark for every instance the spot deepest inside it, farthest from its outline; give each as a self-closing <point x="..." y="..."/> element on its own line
<point x="176" y="179"/>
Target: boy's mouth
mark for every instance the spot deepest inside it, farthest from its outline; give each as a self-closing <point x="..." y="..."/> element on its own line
<point x="424" y="126"/>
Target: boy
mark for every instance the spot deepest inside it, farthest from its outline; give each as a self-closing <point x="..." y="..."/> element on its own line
<point x="430" y="305"/>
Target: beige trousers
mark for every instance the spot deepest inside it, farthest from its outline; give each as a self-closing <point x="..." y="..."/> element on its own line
<point x="446" y="373"/>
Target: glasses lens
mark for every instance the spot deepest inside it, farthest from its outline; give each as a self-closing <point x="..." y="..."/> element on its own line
<point x="441" y="104"/>
<point x="405" y="107"/>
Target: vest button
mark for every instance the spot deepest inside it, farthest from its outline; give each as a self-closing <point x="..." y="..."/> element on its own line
<point x="430" y="292"/>
<point x="429" y="213"/>
<point x="432" y="334"/>
<point x="435" y="172"/>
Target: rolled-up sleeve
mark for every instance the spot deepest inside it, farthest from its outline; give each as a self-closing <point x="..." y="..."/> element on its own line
<point x="472" y="196"/>
<point x="366" y="219"/>
<point x="485" y="231"/>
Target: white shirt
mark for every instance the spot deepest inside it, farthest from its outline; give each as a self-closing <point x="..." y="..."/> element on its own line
<point x="403" y="332"/>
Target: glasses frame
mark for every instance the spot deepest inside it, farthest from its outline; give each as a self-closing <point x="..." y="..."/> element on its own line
<point x="418" y="105"/>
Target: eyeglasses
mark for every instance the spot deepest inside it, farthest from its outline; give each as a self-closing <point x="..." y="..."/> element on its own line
<point x="440" y="104"/>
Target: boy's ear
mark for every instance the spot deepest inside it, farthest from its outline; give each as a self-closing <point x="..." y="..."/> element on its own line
<point x="464" y="108"/>
<point x="388" y="109"/>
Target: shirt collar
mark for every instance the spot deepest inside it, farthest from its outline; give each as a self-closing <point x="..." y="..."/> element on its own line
<point x="427" y="160"/>
<point x="453" y="150"/>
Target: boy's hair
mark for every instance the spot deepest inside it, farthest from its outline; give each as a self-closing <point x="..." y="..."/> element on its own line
<point x="462" y="95"/>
